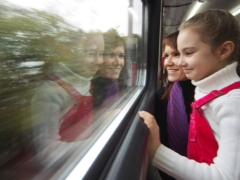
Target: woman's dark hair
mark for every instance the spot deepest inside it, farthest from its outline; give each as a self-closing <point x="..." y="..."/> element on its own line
<point x="112" y="39"/>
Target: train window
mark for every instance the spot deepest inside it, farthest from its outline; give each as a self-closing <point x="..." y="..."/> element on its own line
<point x="70" y="71"/>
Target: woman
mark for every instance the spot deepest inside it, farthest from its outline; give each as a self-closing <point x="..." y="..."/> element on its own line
<point x="172" y="105"/>
<point x="109" y="80"/>
<point x="210" y="59"/>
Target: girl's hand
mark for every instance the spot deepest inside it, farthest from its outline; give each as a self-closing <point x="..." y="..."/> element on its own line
<point x="153" y="141"/>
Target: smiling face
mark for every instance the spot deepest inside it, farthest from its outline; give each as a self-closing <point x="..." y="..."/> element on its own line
<point x="94" y="52"/>
<point x="90" y="56"/>
<point x="175" y="72"/>
<point x="197" y="58"/>
<point x="113" y="62"/>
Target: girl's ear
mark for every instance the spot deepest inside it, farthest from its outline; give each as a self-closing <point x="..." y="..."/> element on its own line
<point x="225" y="50"/>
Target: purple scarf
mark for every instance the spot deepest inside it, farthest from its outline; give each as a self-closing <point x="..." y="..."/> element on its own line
<point x="177" y="120"/>
<point x="112" y="95"/>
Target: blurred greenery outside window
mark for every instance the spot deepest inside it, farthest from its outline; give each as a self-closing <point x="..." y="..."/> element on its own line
<point x="34" y="36"/>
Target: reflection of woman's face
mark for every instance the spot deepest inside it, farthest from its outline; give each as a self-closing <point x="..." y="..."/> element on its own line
<point x="113" y="62"/>
<point x="91" y="58"/>
<point x="175" y="72"/>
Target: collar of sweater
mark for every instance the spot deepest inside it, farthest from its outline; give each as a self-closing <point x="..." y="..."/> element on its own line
<point x="67" y="75"/>
<point x="216" y="81"/>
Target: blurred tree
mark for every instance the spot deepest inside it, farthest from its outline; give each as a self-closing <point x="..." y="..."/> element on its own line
<point x="30" y="40"/>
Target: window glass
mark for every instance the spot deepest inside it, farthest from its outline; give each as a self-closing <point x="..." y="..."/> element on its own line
<point x="67" y="70"/>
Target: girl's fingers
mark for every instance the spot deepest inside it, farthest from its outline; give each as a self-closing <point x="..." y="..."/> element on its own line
<point x="149" y="119"/>
<point x="144" y="114"/>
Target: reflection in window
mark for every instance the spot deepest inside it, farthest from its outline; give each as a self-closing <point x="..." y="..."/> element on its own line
<point x="66" y="70"/>
<point x="109" y="81"/>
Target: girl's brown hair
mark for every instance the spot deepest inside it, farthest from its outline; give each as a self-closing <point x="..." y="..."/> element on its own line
<point x="217" y="26"/>
<point x="170" y="40"/>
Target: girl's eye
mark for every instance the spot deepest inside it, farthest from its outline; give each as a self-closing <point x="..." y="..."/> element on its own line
<point x="189" y="53"/>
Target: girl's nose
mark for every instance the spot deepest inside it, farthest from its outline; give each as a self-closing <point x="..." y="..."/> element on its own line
<point x="98" y="59"/>
<point x="181" y="61"/>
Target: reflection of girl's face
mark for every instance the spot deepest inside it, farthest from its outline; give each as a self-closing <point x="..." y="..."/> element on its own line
<point x="175" y="72"/>
<point x="113" y="62"/>
<point x="89" y="63"/>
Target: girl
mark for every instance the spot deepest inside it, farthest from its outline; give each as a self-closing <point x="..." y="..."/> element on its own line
<point x="178" y="92"/>
<point x="62" y="107"/>
<point x="209" y="58"/>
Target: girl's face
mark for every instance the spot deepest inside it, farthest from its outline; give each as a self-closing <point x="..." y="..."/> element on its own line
<point x="175" y="72"/>
<point x="196" y="57"/>
<point x="113" y="62"/>
<point x="88" y="64"/>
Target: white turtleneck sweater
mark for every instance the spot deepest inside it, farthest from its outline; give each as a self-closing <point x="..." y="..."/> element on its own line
<point x="49" y="105"/>
<point x="223" y="114"/>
